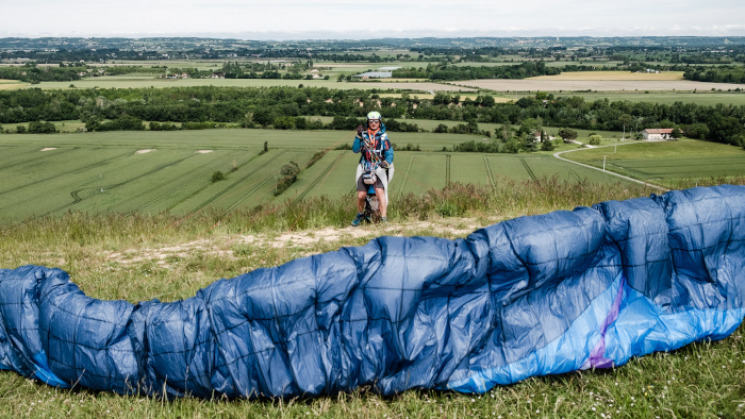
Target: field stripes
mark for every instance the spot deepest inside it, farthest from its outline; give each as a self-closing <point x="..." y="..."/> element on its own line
<point x="105" y="173"/>
<point x="93" y="191"/>
<point x="39" y="158"/>
<point x="489" y="173"/>
<point x="527" y="168"/>
<point x="262" y="174"/>
<point x="402" y="184"/>
<point x="50" y="175"/>
<point x="321" y="178"/>
<point x="447" y="169"/>
<point x="166" y="187"/>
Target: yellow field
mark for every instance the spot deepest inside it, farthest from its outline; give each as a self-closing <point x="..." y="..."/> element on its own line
<point x="613" y="75"/>
<point x="11" y="84"/>
<point x="497" y="99"/>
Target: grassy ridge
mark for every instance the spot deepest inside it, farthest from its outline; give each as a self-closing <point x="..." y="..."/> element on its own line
<point x="137" y="257"/>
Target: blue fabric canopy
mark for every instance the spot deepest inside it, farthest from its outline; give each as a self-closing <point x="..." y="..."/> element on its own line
<point x="536" y="295"/>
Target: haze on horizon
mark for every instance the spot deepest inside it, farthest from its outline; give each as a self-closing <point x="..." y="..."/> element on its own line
<point x="337" y="19"/>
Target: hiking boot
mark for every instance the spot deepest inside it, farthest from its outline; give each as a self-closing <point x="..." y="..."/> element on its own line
<point x="384" y="220"/>
<point x="358" y="219"/>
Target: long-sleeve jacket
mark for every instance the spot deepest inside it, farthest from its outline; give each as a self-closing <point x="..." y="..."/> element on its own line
<point x="380" y="147"/>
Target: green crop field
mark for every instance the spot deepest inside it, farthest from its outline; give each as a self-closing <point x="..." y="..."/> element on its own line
<point x="171" y="172"/>
<point x="679" y="163"/>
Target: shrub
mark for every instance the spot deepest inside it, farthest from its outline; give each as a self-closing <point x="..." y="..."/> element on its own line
<point x="157" y="126"/>
<point x="38" y="127"/>
<point x="218" y="176"/>
<point x="441" y="129"/>
<point x="315" y="158"/>
<point x="288" y="175"/>
<point x="595" y="139"/>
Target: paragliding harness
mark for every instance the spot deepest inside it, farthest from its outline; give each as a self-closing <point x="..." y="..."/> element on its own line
<point x="372" y="204"/>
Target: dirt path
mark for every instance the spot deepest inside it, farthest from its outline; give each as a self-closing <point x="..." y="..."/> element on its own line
<point x="307" y="242"/>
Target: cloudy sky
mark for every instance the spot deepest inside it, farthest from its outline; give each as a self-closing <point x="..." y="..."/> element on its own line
<point x="264" y="19"/>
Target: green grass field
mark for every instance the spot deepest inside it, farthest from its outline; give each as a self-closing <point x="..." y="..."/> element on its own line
<point x="673" y="164"/>
<point x="170" y="172"/>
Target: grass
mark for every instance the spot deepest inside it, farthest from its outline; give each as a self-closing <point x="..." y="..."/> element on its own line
<point x="157" y="172"/>
<point x="673" y="164"/>
<point x="137" y="257"/>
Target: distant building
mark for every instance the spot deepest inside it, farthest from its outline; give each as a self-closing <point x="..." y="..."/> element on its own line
<point x="537" y="137"/>
<point x="658" y="134"/>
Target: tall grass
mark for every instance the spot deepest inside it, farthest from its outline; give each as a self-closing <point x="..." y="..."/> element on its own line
<point x="119" y="257"/>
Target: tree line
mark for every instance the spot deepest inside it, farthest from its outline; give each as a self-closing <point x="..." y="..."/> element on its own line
<point x="721" y="74"/>
<point x="451" y="72"/>
<point x="290" y="107"/>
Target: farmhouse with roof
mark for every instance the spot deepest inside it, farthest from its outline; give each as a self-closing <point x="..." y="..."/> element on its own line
<point x="537" y="137"/>
<point x="658" y="134"/>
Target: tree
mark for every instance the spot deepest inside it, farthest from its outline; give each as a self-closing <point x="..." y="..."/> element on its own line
<point x="263" y="117"/>
<point x="677" y="133"/>
<point x="547" y="145"/>
<point x="568" y="134"/>
<point x="625" y="120"/>
<point x="595" y="139"/>
<point x="724" y="128"/>
<point x="512" y="146"/>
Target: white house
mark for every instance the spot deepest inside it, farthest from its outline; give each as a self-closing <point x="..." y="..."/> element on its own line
<point x="657" y="134"/>
<point x="537" y="137"/>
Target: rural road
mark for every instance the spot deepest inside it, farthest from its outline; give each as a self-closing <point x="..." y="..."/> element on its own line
<point x="651" y="185"/>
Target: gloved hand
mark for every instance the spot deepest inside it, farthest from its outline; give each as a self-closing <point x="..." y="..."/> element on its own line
<point x="359" y="130"/>
<point x="384" y="164"/>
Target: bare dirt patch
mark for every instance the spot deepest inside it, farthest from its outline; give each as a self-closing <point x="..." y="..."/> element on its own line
<point x="147" y="150"/>
<point x="204" y="151"/>
<point x="304" y="243"/>
<point x="613" y="75"/>
<point x="48" y="148"/>
<point x="544" y="85"/>
<point x="426" y="86"/>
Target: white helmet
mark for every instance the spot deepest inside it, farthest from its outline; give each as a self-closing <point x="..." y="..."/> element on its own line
<point x="374" y="115"/>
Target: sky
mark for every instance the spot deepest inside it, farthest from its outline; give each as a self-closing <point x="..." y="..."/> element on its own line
<point x="344" y="19"/>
